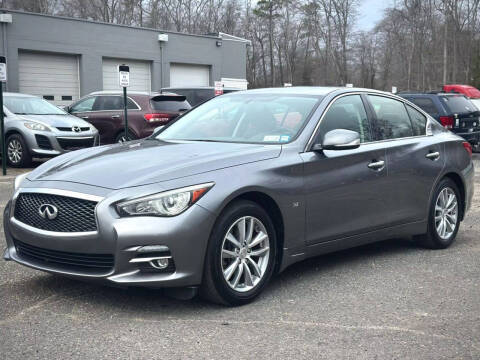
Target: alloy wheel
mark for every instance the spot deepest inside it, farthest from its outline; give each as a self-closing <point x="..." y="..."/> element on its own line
<point x="446" y="213"/>
<point x="245" y="254"/>
<point x="14" y="151"/>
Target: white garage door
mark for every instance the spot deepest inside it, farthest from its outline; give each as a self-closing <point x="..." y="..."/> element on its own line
<point x="140" y="79"/>
<point x="51" y="76"/>
<point x="188" y="75"/>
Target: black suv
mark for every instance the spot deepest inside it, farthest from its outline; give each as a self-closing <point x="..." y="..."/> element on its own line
<point x="454" y="111"/>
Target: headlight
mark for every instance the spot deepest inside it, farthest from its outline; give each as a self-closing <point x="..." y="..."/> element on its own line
<point x="19" y="179"/>
<point x="35" y="126"/>
<point x="168" y="203"/>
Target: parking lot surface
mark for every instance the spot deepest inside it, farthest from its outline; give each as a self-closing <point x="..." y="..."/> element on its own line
<point x="389" y="300"/>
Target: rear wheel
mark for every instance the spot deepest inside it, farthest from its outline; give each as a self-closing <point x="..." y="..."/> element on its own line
<point x="121" y="137"/>
<point x="240" y="256"/>
<point x="18" y="154"/>
<point x="444" y="217"/>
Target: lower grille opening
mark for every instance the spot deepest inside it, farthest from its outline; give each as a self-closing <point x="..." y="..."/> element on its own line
<point x="86" y="263"/>
<point x="74" y="144"/>
<point x="43" y="142"/>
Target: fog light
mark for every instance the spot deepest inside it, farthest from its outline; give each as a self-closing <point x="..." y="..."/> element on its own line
<point x="159" y="263"/>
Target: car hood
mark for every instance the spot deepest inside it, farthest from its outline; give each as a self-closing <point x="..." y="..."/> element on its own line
<point x="55" y="120"/>
<point x="148" y="161"/>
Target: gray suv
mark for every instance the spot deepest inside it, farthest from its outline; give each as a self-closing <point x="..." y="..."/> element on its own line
<point x="36" y="128"/>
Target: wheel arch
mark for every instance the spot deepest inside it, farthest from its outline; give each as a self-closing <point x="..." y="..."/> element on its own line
<point x="457" y="179"/>
<point x="130" y="129"/>
<point x="273" y="209"/>
<point x="12" y="132"/>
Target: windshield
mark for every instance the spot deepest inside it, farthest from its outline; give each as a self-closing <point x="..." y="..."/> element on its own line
<point x="30" y="106"/>
<point x="246" y="118"/>
<point x="458" y="104"/>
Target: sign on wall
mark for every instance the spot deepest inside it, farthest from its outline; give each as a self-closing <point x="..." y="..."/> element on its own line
<point x="124" y="75"/>
<point x="3" y="69"/>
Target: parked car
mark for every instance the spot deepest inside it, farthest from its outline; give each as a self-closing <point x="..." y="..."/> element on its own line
<point x="146" y="111"/>
<point x="469" y="91"/>
<point x="454" y="111"/>
<point x="241" y="187"/>
<point x="197" y="95"/>
<point x="36" y="128"/>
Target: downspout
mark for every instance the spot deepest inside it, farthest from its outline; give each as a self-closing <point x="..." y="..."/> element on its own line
<point x="4" y="32"/>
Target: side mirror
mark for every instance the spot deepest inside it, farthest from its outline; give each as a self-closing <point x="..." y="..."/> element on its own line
<point x="339" y="139"/>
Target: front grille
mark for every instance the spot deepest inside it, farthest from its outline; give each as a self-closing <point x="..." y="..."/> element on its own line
<point x="99" y="263"/>
<point x="75" y="143"/>
<point x="74" y="215"/>
<point x="43" y="142"/>
<point x="70" y="129"/>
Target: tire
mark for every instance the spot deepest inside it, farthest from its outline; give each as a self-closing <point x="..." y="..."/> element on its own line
<point x="433" y="239"/>
<point x="18" y="154"/>
<point x="215" y="286"/>
<point x="121" y="137"/>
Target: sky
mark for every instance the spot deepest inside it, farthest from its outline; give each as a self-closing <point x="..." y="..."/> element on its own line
<point x="370" y="12"/>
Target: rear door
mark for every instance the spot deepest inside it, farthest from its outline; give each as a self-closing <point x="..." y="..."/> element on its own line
<point x="345" y="189"/>
<point x="107" y="117"/>
<point x="414" y="158"/>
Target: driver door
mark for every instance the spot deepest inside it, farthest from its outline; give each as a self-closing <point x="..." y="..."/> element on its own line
<point x="345" y="194"/>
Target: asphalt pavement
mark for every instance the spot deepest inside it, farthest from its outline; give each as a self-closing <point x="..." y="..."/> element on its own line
<point x="389" y="300"/>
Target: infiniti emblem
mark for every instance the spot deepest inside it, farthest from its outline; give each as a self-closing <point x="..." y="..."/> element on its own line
<point x="76" y="129"/>
<point x="48" y="211"/>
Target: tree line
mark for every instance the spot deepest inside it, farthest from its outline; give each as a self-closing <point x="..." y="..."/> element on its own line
<point x="417" y="45"/>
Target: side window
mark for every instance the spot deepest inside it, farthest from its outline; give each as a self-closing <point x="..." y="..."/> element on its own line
<point x="130" y="104"/>
<point x="392" y="118"/>
<point x="83" y="105"/>
<point x="111" y="103"/>
<point x="347" y="113"/>
<point x="426" y="105"/>
<point x="419" y="121"/>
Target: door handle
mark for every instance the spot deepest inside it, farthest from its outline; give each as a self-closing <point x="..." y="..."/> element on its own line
<point x="115" y="116"/>
<point x="433" y="155"/>
<point x="85" y="117"/>
<point x="377" y="165"/>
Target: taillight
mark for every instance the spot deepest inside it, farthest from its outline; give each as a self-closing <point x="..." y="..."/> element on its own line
<point x="158" y="117"/>
<point x="468" y="147"/>
<point x="447" y="121"/>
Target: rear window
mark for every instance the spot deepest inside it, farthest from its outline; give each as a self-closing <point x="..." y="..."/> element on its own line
<point x="170" y="103"/>
<point x="458" y="104"/>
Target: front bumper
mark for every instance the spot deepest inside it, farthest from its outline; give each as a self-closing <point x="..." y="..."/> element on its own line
<point x="186" y="237"/>
<point x="53" y="143"/>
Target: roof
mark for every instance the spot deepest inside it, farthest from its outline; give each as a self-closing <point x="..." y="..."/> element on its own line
<point x="432" y="93"/>
<point x="297" y="90"/>
<point x="3" y="10"/>
<point x="196" y="88"/>
<point x="120" y="92"/>
<point x="467" y="90"/>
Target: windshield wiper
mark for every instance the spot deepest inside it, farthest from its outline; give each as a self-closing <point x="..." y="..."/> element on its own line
<point x="203" y="140"/>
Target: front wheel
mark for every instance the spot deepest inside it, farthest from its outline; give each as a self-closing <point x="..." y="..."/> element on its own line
<point x="444" y="217"/>
<point x="18" y="154"/>
<point x="240" y="256"/>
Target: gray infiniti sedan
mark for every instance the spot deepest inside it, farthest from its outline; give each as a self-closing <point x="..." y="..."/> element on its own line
<point x="36" y="128"/>
<point x="241" y="187"/>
